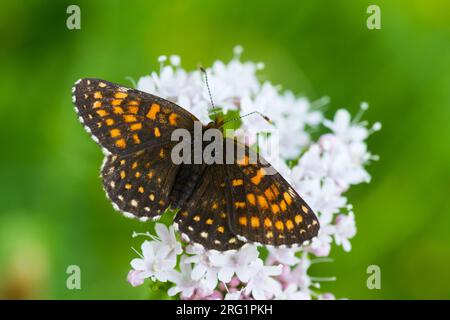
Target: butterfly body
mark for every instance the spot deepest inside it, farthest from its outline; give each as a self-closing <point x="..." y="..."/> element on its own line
<point x="187" y="179"/>
<point x="219" y="205"/>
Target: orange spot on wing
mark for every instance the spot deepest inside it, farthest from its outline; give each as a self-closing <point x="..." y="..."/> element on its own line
<point x="154" y="109"/>
<point x="141" y="189"/>
<point x="209" y="221"/>
<point x="109" y="122"/>
<point x="129" y="118"/>
<point x="298" y="219"/>
<point x="287" y="197"/>
<point x="275" y="209"/>
<point x="237" y="182"/>
<point x="267" y="222"/>
<point x="97" y="104"/>
<point x="136" y="139"/>
<point x="251" y="199"/>
<point x="197" y="218"/>
<point x="133" y="103"/>
<point x="173" y="119"/>
<point x="102" y="113"/>
<point x="283" y="205"/>
<point x="275" y="190"/>
<point x="221" y="229"/>
<point x="289" y="225"/>
<point x="133" y="109"/>
<point x="243" y="221"/>
<point x="254" y="221"/>
<point x="116" y="102"/>
<point x="239" y="204"/>
<point x="128" y="186"/>
<point x="121" y="143"/>
<point x="259" y="175"/>
<point x="279" y="225"/>
<point x="122" y="174"/>
<point x="117" y="110"/>
<point x="120" y="95"/>
<point x="262" y="202"/>
<point x="157" y="132"/>
<point x="269" y="194"/>
<point x="136" y="126"/>
<point x="115" y="133"/>
<point x="98" y="95"/>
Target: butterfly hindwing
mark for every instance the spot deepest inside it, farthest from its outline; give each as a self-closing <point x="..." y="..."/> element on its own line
<point x="204" y="219"/>
<point x="139" y="184"/>
<point x="124" y="120"/>
<point x="264" y="207"/>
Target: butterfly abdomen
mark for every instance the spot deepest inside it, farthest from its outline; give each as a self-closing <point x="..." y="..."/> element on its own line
<point x="186" y="181"/>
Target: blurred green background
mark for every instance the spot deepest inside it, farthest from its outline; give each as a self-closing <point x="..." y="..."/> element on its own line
<point x="53" y="210"/>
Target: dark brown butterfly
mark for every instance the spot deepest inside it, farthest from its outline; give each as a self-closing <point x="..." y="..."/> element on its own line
<point x="220" y="205"/>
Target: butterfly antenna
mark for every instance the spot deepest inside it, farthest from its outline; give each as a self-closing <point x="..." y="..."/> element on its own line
<point x="249" y="114"/>
<point x="209" y="90"/>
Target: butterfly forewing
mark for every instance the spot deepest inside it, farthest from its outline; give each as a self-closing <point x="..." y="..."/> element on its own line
<point x="264" y="207"/>
<point x="124" y="120"/>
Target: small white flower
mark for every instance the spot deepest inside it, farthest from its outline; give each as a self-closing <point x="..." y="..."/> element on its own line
<point x="233" y="295"/>
<point x="285" y="256"/>
<point x="167" y="237"/>
<point x="343" y="167"/>
<point x="135" y="278"/>
<point x="327" y="296"/>
<point x="146" y="84"/>
<point x="204" y="269"/>
<point x="310" y="165"/>
<point x="183" y="281"/>
<point x="321" y="245"/>
<point x="293" y="293"/>
<point x="345" y="229"/>
<point x="261" y="285"/>
<point x="298" y="275"/>
<point x="322" y="195"/>
<point x="232" y="81"/>
<point x="344" y="128"/>
<point x="238" y="263"/>
<point x="155" y="262"/>
<point x="175" y="60"/>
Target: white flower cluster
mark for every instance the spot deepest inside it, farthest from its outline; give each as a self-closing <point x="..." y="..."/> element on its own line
<point x="323" y="171"/>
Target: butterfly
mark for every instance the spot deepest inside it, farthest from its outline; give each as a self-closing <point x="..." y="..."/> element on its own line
<point x="219" y="206"/>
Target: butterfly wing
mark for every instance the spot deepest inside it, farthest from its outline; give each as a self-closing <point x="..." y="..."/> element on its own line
<point x="139" y="184"/>
<point x="124" y="120"/>
<point x="204" y="219"/>
<point x="264" y="207"/>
